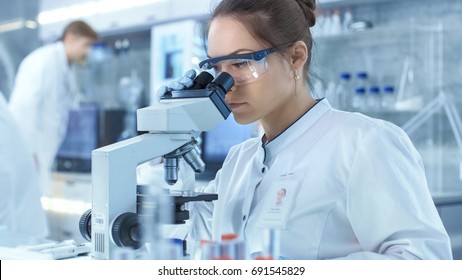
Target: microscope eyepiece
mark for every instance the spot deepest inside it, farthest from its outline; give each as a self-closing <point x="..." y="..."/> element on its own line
<point x="202" y="80"/>
<point x="223" y="81"/>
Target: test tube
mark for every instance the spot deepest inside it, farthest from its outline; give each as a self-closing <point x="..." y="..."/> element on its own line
<point x="270" y="244"/>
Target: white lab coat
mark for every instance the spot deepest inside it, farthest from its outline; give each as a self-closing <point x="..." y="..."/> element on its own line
<point x="362" y="192"/>
<point x="40" y="102"/>
<point x="20" y="208"/>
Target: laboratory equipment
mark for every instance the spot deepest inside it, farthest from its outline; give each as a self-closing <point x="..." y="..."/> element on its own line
<point x="347" y="20"/>
<point x="67" y="251"/>
<point x="271" y="243"/>
<point x="441" y="101"/>
<point x="374" y="98"/>
<point x="231" y="247"/>
<point x="388" y="98"/>
<point x="342" y="92"/>
<point x="173" y="126"/>
<point x="358" y="99"/>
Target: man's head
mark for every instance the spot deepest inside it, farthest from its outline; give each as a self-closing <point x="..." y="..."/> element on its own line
<point x="78" y="37"/>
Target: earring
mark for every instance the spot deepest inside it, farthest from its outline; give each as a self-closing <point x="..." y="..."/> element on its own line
<point x="297" y="77"/>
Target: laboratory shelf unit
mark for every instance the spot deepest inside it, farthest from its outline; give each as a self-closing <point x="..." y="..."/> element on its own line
<point x="411" y="59"/>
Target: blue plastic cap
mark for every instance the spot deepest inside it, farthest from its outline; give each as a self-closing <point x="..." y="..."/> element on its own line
<point x="374" y="90"/>
<point x="360" y="90"/>
<point x="388" y="89"/>
<point x="362" y="75"/>
<point x="345" y="76"/>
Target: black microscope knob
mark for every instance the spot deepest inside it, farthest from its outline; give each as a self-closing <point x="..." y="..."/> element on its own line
<point x="85" y="225"/>
<point x="126" y="230"/>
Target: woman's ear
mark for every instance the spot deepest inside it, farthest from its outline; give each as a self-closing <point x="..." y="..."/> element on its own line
<point x="299" y="56"/>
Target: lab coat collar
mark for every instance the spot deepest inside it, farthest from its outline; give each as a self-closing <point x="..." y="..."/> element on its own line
<point x="300" y="126"/>
<point x="62" y="55"/>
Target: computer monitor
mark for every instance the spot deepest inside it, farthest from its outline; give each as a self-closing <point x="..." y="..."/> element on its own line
<point x="217" y="142"/>
<point x="81" y="138"/>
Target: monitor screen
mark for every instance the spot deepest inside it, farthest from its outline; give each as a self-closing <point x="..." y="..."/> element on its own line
<point x="80" y="140"/>
<point x="217" y="142"/>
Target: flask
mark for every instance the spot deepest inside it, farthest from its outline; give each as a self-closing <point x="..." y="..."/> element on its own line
<point x="373" y="99"/>
<point x="359" y="94"/>
<point x="347" y="20"/>
<point x="362" y="80"/>
<point x="342" y="91"/>
<point x="388" y="97"/>
<point x="336" y="25"/>
<point x="357" y="101"/>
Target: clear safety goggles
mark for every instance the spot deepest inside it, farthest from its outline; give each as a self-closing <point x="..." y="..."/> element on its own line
<point x="244" y="68"/>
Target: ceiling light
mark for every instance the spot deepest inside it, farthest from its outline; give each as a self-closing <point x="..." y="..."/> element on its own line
<point x="11" y="25"/>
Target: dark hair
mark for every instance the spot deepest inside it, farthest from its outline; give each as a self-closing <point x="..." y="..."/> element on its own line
<point x="81" y="28"/>
<point x="273" y="22"/>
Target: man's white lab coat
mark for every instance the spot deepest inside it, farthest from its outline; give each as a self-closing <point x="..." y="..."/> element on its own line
<point x="362" y="192"/>
<point x="40" y="103"/>
<point x="20" y="208"/>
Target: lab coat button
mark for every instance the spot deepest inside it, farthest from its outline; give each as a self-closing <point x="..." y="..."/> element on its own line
<point x="244" y="217"/>
<point x="263" y="170"/>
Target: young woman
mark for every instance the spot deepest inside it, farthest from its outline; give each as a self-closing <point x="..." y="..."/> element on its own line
<point x="355" y="186"/>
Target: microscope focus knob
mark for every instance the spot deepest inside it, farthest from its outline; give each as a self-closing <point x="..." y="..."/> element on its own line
<point x="126" y="230"/>
<point x="85" y="225"/>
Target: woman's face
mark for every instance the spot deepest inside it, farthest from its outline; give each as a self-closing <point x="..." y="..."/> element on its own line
<point x="266" y="95"/>
<point x="280" y="196"/>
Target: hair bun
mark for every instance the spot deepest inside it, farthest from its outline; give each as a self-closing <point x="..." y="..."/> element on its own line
<point x="308" y="7"/>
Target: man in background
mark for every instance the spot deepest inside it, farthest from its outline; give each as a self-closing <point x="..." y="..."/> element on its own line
<point x="44" y="92"/>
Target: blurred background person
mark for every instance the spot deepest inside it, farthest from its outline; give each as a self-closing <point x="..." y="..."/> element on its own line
<point x="20" y="208"/>
<point x="44" y="92"/>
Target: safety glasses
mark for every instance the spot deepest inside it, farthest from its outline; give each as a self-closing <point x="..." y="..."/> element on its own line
<point x="244" y="68"/>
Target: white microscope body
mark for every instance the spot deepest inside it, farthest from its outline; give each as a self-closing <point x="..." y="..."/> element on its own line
<point x="171" y="125"/>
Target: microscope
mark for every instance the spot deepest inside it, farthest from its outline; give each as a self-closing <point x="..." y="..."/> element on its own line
<point x="172" y="127"/>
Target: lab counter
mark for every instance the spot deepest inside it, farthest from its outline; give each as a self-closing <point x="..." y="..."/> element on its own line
<point x="14" y="239"/>
<point x="14" y="245"/>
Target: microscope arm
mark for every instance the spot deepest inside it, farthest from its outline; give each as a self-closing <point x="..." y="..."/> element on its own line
<point x="114" y="171"/>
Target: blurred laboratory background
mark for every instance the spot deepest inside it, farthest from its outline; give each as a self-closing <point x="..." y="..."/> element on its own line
<point x="396" y="60"/>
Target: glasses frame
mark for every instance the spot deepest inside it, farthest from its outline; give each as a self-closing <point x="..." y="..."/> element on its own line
<point x="257" y="56"/>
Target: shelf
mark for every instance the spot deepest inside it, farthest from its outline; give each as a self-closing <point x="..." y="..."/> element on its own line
<point x="447" y="199"/>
